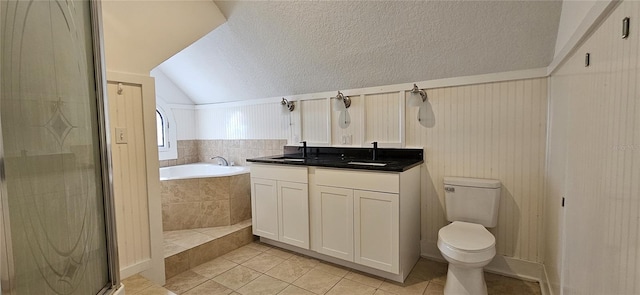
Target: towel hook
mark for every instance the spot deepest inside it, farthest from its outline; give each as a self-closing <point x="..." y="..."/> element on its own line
<point x="416" y="90"/>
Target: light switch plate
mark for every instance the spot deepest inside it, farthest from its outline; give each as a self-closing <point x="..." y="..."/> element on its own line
<point x="121" y="135"/>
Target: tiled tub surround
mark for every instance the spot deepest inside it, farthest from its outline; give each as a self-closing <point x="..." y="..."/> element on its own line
<point x="237" y="150"/>
<point x="205" y="202"/>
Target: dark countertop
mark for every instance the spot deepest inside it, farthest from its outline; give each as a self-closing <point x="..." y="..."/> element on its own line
<point x="394" y="160"/>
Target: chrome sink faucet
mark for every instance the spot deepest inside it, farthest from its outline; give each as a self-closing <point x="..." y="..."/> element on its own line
<point x="375" y="150"/>
<point x="304" y="149"/>
<point x="221" y="161"/>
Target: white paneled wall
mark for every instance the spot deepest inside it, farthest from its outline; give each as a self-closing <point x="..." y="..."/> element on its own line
<point x="383" y="118"/>
<point x="185" y="122"/>
<point x="130" y="176"/>
<point x="595" y="134"/>
<point x="493" y="130"/>
<point x="346" y="129"/>
<point x="314" y="121"/>
<point x="258" y="121"/>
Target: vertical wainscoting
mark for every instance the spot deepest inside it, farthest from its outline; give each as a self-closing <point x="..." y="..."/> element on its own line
<point x="256" y="121"/>
<point x="492" y="130"/>
<point x="346" y="129"/>
<point x="314" y="122"/>
<point x="383" y="113"/>
<point x="597" y="109"/>
<point x="130" y="177"/>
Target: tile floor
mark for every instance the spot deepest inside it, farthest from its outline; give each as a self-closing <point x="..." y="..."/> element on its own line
<point x="178" y="241"/>
<point x="261" y="269"/>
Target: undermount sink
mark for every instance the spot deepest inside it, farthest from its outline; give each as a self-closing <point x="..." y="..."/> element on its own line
<point x="367" y="164"/>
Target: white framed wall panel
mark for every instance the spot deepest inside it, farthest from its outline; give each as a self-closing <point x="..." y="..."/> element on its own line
<point x="347" y="124"/>
<point x="493" y="130"/>
<point x="314" y="121"/>
<point x="384" y="114"/>
<point x="258" y="121"/>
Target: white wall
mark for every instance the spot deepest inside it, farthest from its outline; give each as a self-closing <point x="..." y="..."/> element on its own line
<point x="573" y="13"/>
<point x="488" y="129"/>
<point x="141" y="34"/>
<point x="594" y="162"/>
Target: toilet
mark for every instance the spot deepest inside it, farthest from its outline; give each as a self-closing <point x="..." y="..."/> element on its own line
<point x="471" y="206"/>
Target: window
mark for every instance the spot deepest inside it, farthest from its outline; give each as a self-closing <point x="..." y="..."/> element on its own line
<point x="160" y="127"/>
<point x="166" y="137"/>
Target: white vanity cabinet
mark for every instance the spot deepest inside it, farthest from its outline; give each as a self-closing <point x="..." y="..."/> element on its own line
<point x="280" y="204"/>
<point x="367" y="217"/>
<point x="363" y="219"/>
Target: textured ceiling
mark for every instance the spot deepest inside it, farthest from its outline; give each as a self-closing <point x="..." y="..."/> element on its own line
<point x="268" y="49"/>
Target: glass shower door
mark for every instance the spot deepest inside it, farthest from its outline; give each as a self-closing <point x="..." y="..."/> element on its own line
<point x="55" y="195"/>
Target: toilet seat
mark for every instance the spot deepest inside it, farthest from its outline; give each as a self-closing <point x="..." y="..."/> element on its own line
<point x="466" y="242"/>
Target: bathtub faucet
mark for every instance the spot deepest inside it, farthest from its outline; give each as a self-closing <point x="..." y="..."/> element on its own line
<point x="221" y="161"/>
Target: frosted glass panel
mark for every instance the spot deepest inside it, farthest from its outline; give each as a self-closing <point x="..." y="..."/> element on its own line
<point x="51" y="152"/>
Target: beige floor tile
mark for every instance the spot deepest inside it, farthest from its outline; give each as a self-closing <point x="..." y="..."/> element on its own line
<point x="289" y="271"/>
<point x="242" y="254"/>
<point x="209" y="288"/>
<point x="259" y="246"/>
<point x="497" y="284"/>
<point x="237" y="277"/>
<point x="333" y="269"/>
<point x="284" y="254"/>
<point x="176" y="235"/>
<point x="305" y="260"/>
<point x="190" y="239"/>
<point x="363" y="278"/>
<point x="136" y="283"/>
<point x="263" y="285"/>
<point x="216" y="232"/>
<point x="434" y="288"/>
<point x="410" y="286"/>
<point x="382" y="292"/>
<point x="316" y="281"/>
<point x="184" y="282"/>
<point x="153" y="290"/>
<point x="172" y="249"/>
<point x="428" y="270"/>
<point x="347" y="287"/>
<point x="263" y="262"/>
<point x="294" y="290"/>
<point x="214" y="267"/>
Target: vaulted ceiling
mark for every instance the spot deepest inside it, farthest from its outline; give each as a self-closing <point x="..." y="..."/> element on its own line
<point x="280" y="48"/>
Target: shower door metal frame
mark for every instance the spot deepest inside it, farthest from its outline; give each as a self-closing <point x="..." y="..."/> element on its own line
<point x="7" y="271"/>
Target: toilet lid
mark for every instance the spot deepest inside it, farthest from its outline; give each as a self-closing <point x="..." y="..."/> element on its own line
<point x="466" y="236"/>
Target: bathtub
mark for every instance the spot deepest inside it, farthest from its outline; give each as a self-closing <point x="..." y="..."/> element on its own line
<point x="200" y="170"/>
<point x="204" y="195"/>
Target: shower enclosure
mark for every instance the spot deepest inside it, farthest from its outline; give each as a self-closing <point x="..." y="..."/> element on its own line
<point x="57" y="229"/>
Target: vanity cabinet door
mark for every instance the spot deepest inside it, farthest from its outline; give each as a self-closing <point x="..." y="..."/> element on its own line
<point x="264" y="208"/>
<point x="377" y="230"/>
<point x="293" y="203"/>
<point x="335" y="212"/>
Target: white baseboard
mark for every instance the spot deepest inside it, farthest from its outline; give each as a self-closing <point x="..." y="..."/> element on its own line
<point x="119" y="291"/>
<point x="503" y="265"/>
<point x="544" y="283"/>
<point x="134" y="269"/>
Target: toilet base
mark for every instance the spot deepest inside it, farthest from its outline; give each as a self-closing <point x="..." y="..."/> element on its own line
<point x="465" y="281"/>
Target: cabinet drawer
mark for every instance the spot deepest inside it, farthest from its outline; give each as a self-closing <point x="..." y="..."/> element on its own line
<point x="363" y="180"/>
<point x="280" y="172"/>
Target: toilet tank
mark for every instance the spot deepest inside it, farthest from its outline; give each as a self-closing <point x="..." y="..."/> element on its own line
<point x="472" y="200"/>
